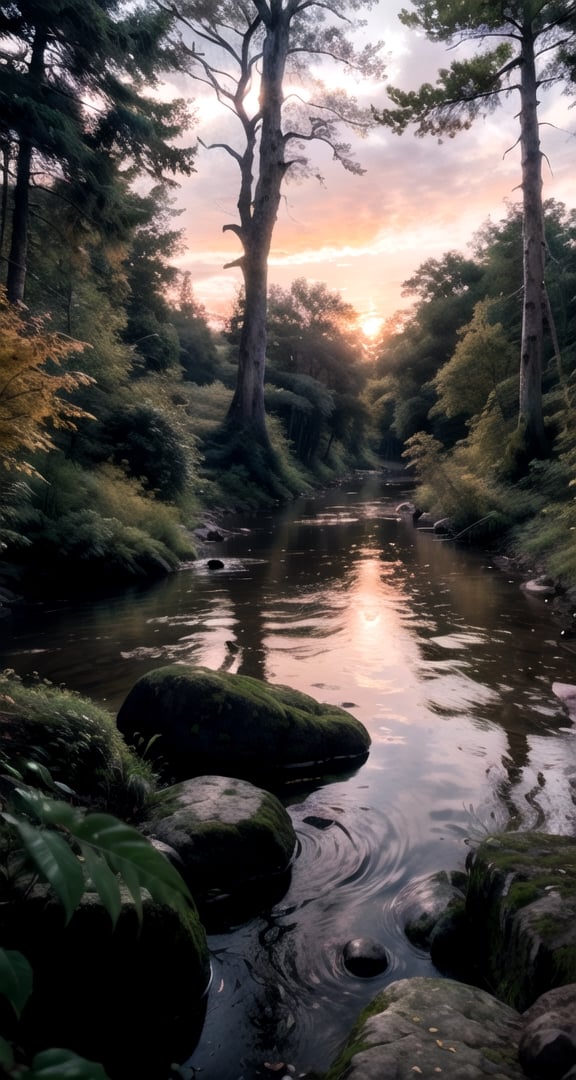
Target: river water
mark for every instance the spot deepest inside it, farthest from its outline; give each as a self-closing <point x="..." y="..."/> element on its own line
<point x="442" y="656"/>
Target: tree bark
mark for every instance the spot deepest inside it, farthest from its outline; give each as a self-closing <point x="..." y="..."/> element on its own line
<point x="534" y="303"/>
<point x="18" y="256"/>
<point x="257" y="222"/>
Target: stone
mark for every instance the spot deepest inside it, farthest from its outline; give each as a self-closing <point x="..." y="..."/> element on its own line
<point x="521" y="908"/>
<point x="425" y="901"/>
<point x="229" y="836"/>
<point x="428" y="1027"/>
<point x="215" y="564"/>
<point x="214" y="722"/>
<point x="566" y="692"/>
<point x="547" y="1048"/>
<point x="96" y="986"/>
<point x="365" y="957"/>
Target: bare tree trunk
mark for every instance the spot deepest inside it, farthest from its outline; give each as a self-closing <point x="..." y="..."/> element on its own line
<point x="256" y="229"/>
<point x="534" y="305"/>
<point x="16" y="276"/>
<point x="6" y="150"/>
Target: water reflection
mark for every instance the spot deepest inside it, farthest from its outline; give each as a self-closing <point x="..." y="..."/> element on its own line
<point x="444" y="659"/>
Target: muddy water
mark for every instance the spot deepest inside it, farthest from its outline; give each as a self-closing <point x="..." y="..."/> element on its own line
<point x="444" y="659"/>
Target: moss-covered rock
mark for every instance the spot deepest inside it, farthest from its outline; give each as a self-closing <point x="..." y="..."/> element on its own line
<point x="424" y="1027"/>
<point x="521" y="909"/>
<point x="75" y="739"/>
<point x="215" y="722"/>
<point x="97" y="990"/>
<point x="231" y="839"/>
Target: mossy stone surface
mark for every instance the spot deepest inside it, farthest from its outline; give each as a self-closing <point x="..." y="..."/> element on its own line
<point x="215" y="722"/>
<point x="96" y="990"/>
<point x="428" y="1027"/>
<point x="521" y="906"/>
<point x="227" y="833"/>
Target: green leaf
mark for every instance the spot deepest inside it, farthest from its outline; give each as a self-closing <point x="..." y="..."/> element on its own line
<point x="132" y="856"/>
<point x="103" y="880"/>
<point x="15" y="978"/>
<point x="6" y="1055"/>
<point x="48" y="811"/>
<point x="55" y="862"/>
<point x="64" y="1065"/>
<point x="41" y="771"/>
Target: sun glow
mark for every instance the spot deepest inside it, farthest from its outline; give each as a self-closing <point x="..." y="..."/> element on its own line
<point x="371" y="326"/>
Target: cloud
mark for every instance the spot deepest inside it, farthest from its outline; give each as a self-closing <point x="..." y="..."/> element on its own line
<point x="364" y="235"/>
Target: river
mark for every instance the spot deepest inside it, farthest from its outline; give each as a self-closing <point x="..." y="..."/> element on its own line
<point x="443" y="657"/>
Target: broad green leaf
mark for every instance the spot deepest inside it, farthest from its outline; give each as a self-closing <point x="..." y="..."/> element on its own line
<point x="103" y="880"/>
<point x="132" y="856"/>
<point x="6" y="1055"/>
<point x="15" y="978"/>
<point x="10" y="771"/>
<point x="132" y="877"/>
<point x="48" y="811"/>
<point x="41" y="771"/>
<point x="64" y="1065"/>
<point x="55" y="861"/>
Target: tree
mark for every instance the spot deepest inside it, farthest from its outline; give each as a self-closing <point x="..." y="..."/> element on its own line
<point x="236" y="49"/>
<point x="531" y="47"/>
<point x="313" y="331"/>
<point x="71" y="76"/>
<point x="31" y="389"/>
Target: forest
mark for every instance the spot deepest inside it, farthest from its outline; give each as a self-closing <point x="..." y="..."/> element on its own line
<point x="128" y="418"/>
<point x="125" y="414"/>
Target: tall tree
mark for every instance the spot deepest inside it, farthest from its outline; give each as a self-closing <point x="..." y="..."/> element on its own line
<point x="528" y="46"/>
<point x="71" y="78"/>
<point x="244" y="52"/>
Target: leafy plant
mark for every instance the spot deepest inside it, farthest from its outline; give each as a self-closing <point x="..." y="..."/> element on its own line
<point x="74" y="852"/>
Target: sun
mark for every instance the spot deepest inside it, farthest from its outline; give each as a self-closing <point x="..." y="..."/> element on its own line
<point x="371" y="326"/>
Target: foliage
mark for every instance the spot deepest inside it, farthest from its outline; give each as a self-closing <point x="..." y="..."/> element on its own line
<point x="482" y="360"/>
<point x="98" y="517"/>
<point x="198" y="356"/>
<point x="48" y="728"/>
<point x="525" y="50"/>
<point x="33" y="388"/>
<point x="72" y="79"/>
<point x="74" y="852"/>
<point x="142" y="441"/>
<point x="475" y="504"/>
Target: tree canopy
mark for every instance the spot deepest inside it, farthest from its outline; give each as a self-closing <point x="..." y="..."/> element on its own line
<point x="526" y="47"/>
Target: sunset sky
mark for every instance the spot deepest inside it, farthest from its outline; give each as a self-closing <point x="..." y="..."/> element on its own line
<point x="364" y="235"/>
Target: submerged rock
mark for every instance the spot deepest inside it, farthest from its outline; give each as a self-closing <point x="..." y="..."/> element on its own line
<point x="234" y="725"/>
<point x="365" y="957"/>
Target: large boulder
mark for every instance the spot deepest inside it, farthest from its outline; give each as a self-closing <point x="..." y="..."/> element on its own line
<point x="234" y="725"/>
<point x="548" y="1044"/>
<point x="521" y="913"/>
<point x="428" y="1027"/>
<point x="97" y="990"/>
<point x="230" y="839"/>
